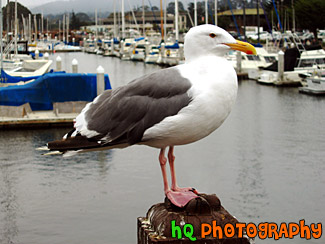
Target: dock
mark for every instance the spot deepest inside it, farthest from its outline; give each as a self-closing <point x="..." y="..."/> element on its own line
<point x="41" y="119"/>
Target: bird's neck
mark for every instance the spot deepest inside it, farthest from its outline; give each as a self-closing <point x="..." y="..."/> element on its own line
<point x="206" y="59"/>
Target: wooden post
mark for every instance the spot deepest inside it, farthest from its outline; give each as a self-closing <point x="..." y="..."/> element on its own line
<point x="159" y="224"/>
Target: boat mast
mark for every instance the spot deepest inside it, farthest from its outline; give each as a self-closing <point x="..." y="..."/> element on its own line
<point x="293" y="17"/>
<point x="59" y="30"/>
<point x="258" y="20"/>
<point x="1" y="31"/>
<point x="134" y="18"/>
<point x="8" y="20"/>
<point x="165" y="20"/>
<point x="216" y="12"/>
<point x="114" y="15"/>
<point x="206" y="11"/>
<point x="143" y="21"/>
<point x="29" y="28"/>
<point x="63" y="28"/>
<point x="195" y="13"/>
<point x="244" y="18"/>
<point x="176" y="19"/>
<point x="42" y="25"/>
<point x="123" y="20"/>
<point x="67" y="22"/>
<point x="24" y="27"/>
<point x="35" y="27"/>
<point x="16" y="29"/>
<point x="96" y="36"/>
<point x="162" y="20"/>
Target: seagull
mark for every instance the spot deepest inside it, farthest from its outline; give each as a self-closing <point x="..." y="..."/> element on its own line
<point x="171" y="107"/>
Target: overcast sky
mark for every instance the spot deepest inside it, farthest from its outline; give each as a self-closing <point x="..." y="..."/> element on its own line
<point x="33" y="3"/>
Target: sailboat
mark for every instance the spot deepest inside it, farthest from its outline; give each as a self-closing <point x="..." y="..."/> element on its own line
<point x="171" y="52"/>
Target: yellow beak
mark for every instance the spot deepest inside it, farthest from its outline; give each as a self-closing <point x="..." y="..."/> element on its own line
<point x="243" y="47"/>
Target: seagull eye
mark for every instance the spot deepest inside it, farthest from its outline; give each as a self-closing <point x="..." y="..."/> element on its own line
<point x="212" y="35"/>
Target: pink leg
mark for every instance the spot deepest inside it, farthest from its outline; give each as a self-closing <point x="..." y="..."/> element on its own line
<point x="163" y="161"/>
<point x="171" y="159"/>
<point x="178" y="196"/>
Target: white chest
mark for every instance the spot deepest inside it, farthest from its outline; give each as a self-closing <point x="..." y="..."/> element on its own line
<point x="213" y="95"/>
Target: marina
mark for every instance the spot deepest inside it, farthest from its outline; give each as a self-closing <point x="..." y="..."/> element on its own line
<point x="93" y="104"/>
<point x="265" y="163"/>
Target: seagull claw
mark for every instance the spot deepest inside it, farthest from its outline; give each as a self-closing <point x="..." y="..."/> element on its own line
<point x="181" y="198"/>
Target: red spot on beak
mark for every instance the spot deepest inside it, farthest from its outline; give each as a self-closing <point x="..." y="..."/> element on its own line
<point x="249" y="52"/>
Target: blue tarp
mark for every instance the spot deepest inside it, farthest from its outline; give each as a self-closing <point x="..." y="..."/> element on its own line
<point x="6" y="78"/>
<point x="50" y="88"/>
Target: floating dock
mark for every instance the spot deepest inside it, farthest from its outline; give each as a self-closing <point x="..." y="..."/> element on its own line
<point x="39" y="119"/>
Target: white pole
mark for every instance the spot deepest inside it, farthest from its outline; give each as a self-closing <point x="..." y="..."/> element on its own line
<point x="123" y="20"/>
<point x="100" y="80"/>
<point x="195" y="13"/>
<point x="206" y="11"/>
<point x="181" y="52"/>
<point x="74" y="65"/>
<point x="162" y="54"/>
<point x="147" y="48"/>
<point x="280" y="66"/>
<point x="176" y="19"/>
<point x="58" y="63"/>
<point x="238" y="59"/>
<point x="216" y="12"/>
<point x="36" y="54"/>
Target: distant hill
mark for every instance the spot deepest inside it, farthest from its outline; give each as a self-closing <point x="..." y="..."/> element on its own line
<point x="86" y="6"/>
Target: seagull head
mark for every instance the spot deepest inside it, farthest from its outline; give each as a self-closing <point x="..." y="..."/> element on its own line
<point x="207" y="40"/>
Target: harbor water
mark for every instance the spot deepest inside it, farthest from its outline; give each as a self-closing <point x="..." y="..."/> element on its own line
<point x="266" y="163"/>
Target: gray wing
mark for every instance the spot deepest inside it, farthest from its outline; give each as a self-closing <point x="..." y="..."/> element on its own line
<point x="123" y="115"/>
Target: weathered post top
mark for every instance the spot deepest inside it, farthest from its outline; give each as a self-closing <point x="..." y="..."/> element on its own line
<point x="202" y="220"/>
